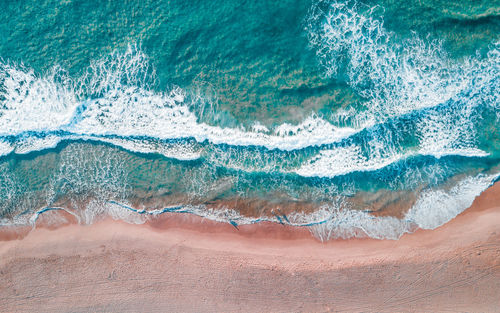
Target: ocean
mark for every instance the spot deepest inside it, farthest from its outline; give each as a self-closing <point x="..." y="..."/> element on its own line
<point x="352" y="118"/>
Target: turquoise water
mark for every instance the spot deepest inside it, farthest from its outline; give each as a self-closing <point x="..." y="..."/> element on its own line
<point x="358" y="117"/>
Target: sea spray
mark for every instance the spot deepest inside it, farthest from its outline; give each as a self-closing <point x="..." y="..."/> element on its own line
<point x="109" y="142"/>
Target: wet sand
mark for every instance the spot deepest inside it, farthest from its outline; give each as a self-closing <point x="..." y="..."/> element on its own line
<point x="182" y="263"/>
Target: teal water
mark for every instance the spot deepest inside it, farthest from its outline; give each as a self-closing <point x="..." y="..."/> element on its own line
<point x="324" y="113"/>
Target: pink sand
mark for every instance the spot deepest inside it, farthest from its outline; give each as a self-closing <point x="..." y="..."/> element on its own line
<point x="185" y="264"/>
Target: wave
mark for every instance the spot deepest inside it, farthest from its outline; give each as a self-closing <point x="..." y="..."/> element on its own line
<point x="395" y="75"/>
<point x="437" y="207"/>
<point x="417" y="102"/>
<point x="180" y="150"/>
<point x="432" y="209"/>
<point x="342" y="161"/>
<point x="5" y="148"/>
<point x="109" y="100"/>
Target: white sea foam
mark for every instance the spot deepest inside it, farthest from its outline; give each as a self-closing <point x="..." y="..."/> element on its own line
<point x="180" y="151"/>
<point x="433" y="209"/>
<point x="5" y="148"/>
<point x="94" y="173"/>
<point x="258" y="127"/>
<point x="147" y="114"/>
<point x="30" y="144"/>
<point x="113" y="99"/>
<point x="34" y="103"/>
<point x="112" y="103"/>
<point x="358" y="224"/>
<point x="118" y="213"/>
<point x="397" y="78"/>
<point x="344" y="160"/>
<point x="437" y="207"/>
<point x="450" y="131"/>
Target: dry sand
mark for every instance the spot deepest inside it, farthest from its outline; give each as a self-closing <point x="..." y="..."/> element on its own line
<point x="185" y="264"/>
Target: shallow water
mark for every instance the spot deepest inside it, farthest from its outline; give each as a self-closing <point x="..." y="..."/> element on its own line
<point x="359" y="118"/>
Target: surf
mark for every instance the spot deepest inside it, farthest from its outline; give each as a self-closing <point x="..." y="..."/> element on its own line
<point x="418" y="126"/>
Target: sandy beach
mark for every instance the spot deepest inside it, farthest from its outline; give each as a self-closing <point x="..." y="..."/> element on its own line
<point x="182" y="263"/>
<point x="249" y="156"/>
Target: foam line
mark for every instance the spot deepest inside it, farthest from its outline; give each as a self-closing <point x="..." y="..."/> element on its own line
<point x="113" y="103"/>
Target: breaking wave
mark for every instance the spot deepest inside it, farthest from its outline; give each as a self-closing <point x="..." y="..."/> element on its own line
<point x="432" y="209"/>
<point x="417" y="102"/>
<point x="411" y="91"/>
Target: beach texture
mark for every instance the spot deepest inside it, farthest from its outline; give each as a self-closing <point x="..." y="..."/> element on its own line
<point x="185" y="264"/>
<point x="249" y="156"/>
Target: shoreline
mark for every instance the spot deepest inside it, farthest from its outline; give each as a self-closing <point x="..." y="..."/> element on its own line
<point x="182" y="262"/>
